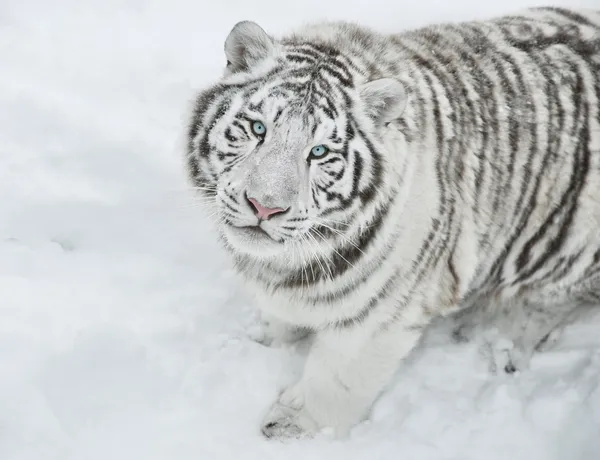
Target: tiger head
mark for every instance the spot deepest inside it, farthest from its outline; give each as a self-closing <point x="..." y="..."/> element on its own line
<point x="288" y="146"/>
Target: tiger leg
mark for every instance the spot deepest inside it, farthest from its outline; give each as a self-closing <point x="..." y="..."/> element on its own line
<point x="521" y="330"/>
<point x="465" y="324"/>
<point x="345" y="372"/>
<point x="272" y="332"/>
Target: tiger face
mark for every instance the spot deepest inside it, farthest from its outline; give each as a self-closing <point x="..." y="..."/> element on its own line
<point x="287" y="146"/>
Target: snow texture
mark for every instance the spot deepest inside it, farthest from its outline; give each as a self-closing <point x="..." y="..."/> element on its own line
<point x="123" y="334"/>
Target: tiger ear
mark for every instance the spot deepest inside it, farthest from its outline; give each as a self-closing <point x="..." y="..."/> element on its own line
<point x="246" y="45"/>
<point x="385" y="99"/>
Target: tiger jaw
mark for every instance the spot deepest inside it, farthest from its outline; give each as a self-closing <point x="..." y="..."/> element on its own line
<point x="253" y="240"/>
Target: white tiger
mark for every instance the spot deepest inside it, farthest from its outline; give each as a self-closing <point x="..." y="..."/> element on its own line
<point x="366" y="183"/>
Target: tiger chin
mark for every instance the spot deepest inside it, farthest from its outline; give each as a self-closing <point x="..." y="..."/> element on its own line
<point x="365" y="184"/>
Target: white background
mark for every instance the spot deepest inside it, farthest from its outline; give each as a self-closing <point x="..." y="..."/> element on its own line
<point x="122" y="332"/>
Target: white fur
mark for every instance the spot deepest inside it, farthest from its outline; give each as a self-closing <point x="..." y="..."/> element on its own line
<point x="355" y="350"/>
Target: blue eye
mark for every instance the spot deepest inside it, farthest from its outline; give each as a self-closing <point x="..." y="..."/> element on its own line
<point x="258" y="128"/>
<point x="318" y="151"/>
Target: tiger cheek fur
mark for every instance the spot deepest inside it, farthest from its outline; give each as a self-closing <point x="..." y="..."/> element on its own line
<point x="367" y="183"/>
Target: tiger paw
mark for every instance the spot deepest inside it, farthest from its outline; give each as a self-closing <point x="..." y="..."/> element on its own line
<point x="287" y="418"/>
<point x="507" y="356"/>
<point x="284" y="422"/>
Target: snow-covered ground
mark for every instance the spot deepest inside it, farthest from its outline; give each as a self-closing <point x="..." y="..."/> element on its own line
<point x="122" y="332"/>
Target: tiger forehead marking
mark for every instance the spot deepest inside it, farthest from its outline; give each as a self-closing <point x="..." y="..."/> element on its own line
<point x="365" y="183"/>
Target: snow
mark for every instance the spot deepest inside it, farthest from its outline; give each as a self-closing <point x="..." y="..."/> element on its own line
<point x="122" y="328"/>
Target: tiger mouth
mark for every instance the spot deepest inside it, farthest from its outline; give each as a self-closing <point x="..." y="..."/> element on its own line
<point x="255" y="230"/>
<point x="254" y="233"/>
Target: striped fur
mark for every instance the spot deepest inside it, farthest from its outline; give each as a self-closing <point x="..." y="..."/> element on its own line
<point x="473" y="183"/>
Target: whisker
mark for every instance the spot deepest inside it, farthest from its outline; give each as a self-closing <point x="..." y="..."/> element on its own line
<point x="327" y="260"/>
<point x="314" y="254"/>
<point x="346" y="238"/>
<point x="307" y="242"/>
<point x="194" y="204"/>
<point x="193" y="188"/>
<point x="303" y="268"/>
<point x="338" y="222"/>
<point x="318" y="259"/>
<point x="332" y="221"/>
<point x="333" y="248"/>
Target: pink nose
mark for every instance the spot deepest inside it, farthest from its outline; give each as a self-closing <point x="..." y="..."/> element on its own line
<point x="262" y="212"/>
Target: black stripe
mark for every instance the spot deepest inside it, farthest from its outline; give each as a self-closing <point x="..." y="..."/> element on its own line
<point x="373" y="302"/>
<point x="299" y="60"/>
<point x="552" y="146"/>
<point x="203" y="102"/>
<point x="565" y="211"/>
<point x="566" y="266"/>
<point x="368" y="194"/>
<point x="570" y="15"/>
<point x="346" y="255"/>
<point x="553" y="100"/>
<point x="340" y="292"/>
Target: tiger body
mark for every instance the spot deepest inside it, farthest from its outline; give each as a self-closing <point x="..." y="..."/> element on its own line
<point x="467" y="174"/>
